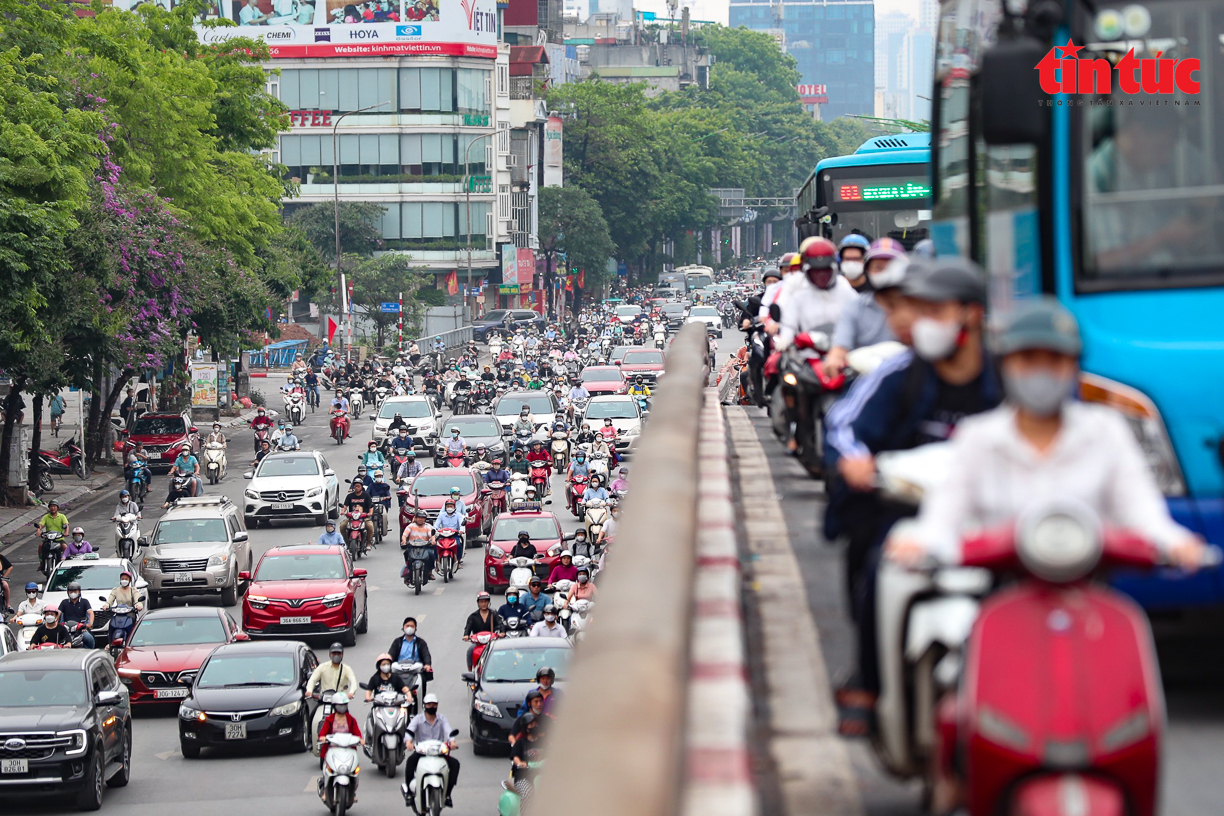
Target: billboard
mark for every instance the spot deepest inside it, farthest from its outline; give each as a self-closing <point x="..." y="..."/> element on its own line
<point x="354" y="28"/>
<point x="204" y="385"/>
<point x="552" y="151"/>
<point x="813" y="94"/>
<point x="518" y="267"/>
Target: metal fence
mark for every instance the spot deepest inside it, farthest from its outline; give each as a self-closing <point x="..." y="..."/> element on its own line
<point x="455" y="338"/>
<point x="277" y="355"/>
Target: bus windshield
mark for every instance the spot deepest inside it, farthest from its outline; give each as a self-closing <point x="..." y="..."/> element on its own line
<point x="1153" y="191"/>
<point x="879" y="201"/>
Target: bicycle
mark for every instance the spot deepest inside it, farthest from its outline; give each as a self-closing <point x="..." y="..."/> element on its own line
<point x="312" y="397"/>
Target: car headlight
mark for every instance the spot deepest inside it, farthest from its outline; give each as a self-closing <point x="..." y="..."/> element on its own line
<point x="334" y="599"/>
<point x="149" y="564"/>
<point x="636" y="430"/>
<point x="496" y="551"/>
<point x="1059" y="542"/>
<point x="314" y="491"/>
<point x="1145" y="423"/>
<point x="251" y="494"/>
<point x="218" y="560"/>
<point x="487" y="709"/>
<point x="187" y="712"/>
<point x="286" y="710"/>
<point x="257" y="601"/>
<point x="554" y="550"/>
<point x="127" y="673"/>
<point x="79" y="740"/>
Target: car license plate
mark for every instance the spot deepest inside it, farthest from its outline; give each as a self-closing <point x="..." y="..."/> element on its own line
<point x="235" y="731"/>
<point x="14" y="766"/>
<point x="297" y="619"/>
<point x="182" y="578"/>
<point x="282" y="505"/>
<point x="170" y="694"/>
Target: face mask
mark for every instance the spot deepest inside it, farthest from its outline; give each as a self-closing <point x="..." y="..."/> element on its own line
<point x="409" y="631"/>
<point x="1040" y="393"/>
<point x="342" y="709"/>
<point x="74" y="595"/>
<point x="124" y="582"/>
<point x="385" y="668"/>
<point x="511" y="599"/>
<point x="431" y="710"/>
<point x="336" y="659"/>
<point x="78" y="539"/>
<point x="49" y="619"/>
<point x="852" y="269"/>
<point x="550" y="618"/>
<point x="31" y="595"/>
<point x="582" y="579"/>
<point x="934" y="339"/>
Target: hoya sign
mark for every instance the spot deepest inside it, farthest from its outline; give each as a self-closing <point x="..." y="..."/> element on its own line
<point x="1148" y="75"/>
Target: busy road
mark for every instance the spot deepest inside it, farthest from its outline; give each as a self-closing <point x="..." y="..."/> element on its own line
<point x="282" y="782"/>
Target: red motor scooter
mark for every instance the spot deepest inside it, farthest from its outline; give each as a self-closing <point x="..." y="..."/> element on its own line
<point x="448" y="554"/>
<point x="339" y="426"/>
<point x="1060" y="700"/>
<point x="356" y="533"/>
<point x="573" y="494"/>
<point x="539" y="478"/>
<point x="68" y="458"/>
<point x="497" y="498"/>
<point x="479" y="641"/>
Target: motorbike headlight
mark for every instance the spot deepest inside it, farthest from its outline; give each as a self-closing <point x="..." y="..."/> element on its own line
<point x="334" y="599"/>
<point x="286" y="710"/>
<point x="344" y="764"/>
<point x="149" y="564"/>
<point x="251" y="494"/>
<point x="1146" y="424"/>
<point x="487" y="709"/>
<point x="1059" y="543"/>
<point x="496" y="551"/>
<point x="218" y="560"/>
<point x="314" y="491"/>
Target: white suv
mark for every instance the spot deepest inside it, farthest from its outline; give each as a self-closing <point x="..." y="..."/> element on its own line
<point x="418" y="411"/>
<point x="708" y="315"/>
<point x="291" y="485"/>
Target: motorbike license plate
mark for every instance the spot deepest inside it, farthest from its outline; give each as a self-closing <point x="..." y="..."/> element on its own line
<point x="14" y="766"/>
<point x="170" y="694"/>
<point x="235" y="731"/>
<point x="282" y="505"/>
<point x="182" y="578"/>
<point x="296" y="619"/>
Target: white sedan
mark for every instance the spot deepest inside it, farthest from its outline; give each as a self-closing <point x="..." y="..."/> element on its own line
<point x="626" y="416"/>
<point x="97" y="577"/>
<point x="291" y="485"/>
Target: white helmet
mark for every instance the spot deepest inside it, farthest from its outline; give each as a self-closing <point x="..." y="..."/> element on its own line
<point x="340" y="699"/>
<point x="430" y="698"/>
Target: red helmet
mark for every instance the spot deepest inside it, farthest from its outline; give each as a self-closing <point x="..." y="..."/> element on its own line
<point x="819" y="259"/>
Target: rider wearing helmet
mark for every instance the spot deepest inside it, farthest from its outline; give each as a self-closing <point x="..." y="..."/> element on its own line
<point x="125" y="506"/>
<point x="384" y="680"/>
<point x="430" y="725"/>
<point x="333" y="675"/>
<point x="864" y="322"/>
<point x="545" y="679"/>
<point x="511" y="608"/>
<point x="124" y="594"/>
<point x="78" y="545"/>
<point x="850" y="254"/>
<point x="583" y="588"/>
<point x="819" y="298"/>
<point x="75" y="610"/>
<point x="340" y="721"/>
<point x="483" y="619"/>
<point x="565" y="569"/>
<point x="32" y="605"/>
<point x="549" y="628"/>
<point x="50" y="630"/>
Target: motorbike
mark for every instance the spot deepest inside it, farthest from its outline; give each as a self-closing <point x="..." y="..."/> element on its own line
<point x="462" y="403"/>
<point x="356" y="401"/>
<point x="179" y="486"/>
<point x="295" y="408"/>
<point x="119" y="629"/>
<point x="560" y="450"/>
<point x="431" y="391"/>
<point x="559" y="590"/>
<point x="448" y="553"/>
<point x="427" y="790"/>
<point x="660" y="339"/>
<point x="26" y="625"/>
<point x="53" y="545"/>
<point x="575" y="616"/>
<point x="356" y="533"/>
<point x="68" y="458"/>
<point x="261" y="434"/>
<point x="380" y="394"/>
<point x="573" y="494"/>
<point x="520" y="576"/>
<point x="516" y="627"/>
<point x="416" y="565"/>
<point x="806" y="393"/>
<point x="510" y="803"/>
<point x="518" y="488"/>
<point x="385" y="728"/>
<point x="539" y="477"/>
<point x="127" y="535"/>
<point x="522" y="440"/>
<point x="338" y="784"/>
<point x="578" y="407"/>
<point x="497" y="497"/>
<point x="598" y="463"/>
<point x="339" y="426"/>
<point x="596" y="517"/>
<point x="412" y="676"/>
<point x="214" y="462"/>
<point x="479" y="641"/>
<point x="136" y="475"/>
<point x="451" y="460"/>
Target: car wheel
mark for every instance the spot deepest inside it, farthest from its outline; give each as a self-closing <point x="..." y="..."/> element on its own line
<point x="154" y="600"/>
<point x="189" y="749"/>
<point x="302" y="745"/>
<point x="480" y="749"/>
<point x="363" y="624"/>
<point x="90" y="797"/>
<point x="124" y="774"/>
<point x="229" y="595"/>
<point x="349" y="638"/>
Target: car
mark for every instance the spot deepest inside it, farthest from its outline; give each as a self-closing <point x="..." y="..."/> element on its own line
<point x="674" y="313"/>
<point x="626" y="416"/>
<point x="618" y="353"/>
<point x="647" y="362"/>
<point x="163" y="435"/>
<point x="500" y="681"/>
<point x="65" y="725"/>
<point x="167" y="648"/>
<point x="546" y="536"/>
<point x="475" y="429"/>
<point x="603" y="380"/>
<point x="628" y="313"/>
<point x="418" y="411"/>
<point x="97" y="577"/>
<point x="300" y="590"/>
<point x="196" y="548"/>
<point x="291" y="485"/>
<point x="249" y="693"/>
<point x="496" y="320"/>
<point x="8" y="641"/>
<point x="542" y="404"/>
<point x="431" y="488"/>
<point x="708" y="315"/>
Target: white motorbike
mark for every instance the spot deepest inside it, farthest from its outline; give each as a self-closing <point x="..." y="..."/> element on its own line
<point x="214" y="462"/>
<point x="596" y="518"/>
<point x="660" y="338"/>
<point x="295" y="407"/>
<point x="26" y="625"/>
<point x="356" y="403"/>
<point x="127" y="535"/>
<point x="427" y="790"/>
<point x="338" y="784"/>
<point x="560" y="451"/>
<point x="561" y="589"/>
<point x="598" y="464"/>
<point x="578" y="614"/>
<point x="385" y="729"/>
<point x="520" y="576"/>
<point x="518" y="488"/>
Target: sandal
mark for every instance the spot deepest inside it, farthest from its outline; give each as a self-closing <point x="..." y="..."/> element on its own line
<point x="855" y="711"/>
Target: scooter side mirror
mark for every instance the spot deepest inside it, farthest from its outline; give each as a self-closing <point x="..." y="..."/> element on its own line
<point x="455" y="733"/>
<point x="363" y="686"/>
<point x="775" y="312"/>
<point x="468" y="677"/>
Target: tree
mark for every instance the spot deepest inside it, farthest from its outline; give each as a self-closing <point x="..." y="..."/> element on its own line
<point x="571" y="222"/>
<point x="359" y="228"/>
<point x="383" y="280"/>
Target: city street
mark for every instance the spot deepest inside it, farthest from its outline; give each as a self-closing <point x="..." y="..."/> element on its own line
<point x="284" y="783"/>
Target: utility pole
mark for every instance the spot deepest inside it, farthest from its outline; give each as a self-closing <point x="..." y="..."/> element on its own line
<point x="467" y="186"/>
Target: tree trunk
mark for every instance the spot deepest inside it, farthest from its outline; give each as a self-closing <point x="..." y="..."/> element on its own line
<point x="35" y="442"/>
<point x="6" y="439"/>
<point x="99" y="413"/>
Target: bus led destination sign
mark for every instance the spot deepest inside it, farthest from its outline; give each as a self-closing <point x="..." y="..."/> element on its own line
<point x="875" y="191"/>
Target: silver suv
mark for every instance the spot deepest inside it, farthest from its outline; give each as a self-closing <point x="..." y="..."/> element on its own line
<point x="197" y="548"/>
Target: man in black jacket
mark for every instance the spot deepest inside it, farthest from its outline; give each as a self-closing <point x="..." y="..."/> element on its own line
<point x="408" y="648"/>
<point x="483" y="619"/>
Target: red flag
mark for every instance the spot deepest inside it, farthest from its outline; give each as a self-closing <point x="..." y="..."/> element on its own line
<point x="569" y="283"/>
<point x="452" y="283"/>
<point x="582" y="279"/>
<point x="332" y="325"/>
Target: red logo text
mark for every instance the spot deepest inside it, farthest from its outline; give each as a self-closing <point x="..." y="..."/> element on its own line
<point x="1149" y="75"/>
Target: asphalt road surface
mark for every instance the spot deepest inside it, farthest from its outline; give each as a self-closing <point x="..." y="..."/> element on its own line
<point x="274" y="783"/>
<point x="1190" y="653"/>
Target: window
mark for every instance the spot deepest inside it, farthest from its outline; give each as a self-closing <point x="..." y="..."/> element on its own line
<point x="503" y="80"/>
<point x="503" y="201"/>
<point x="385" y="157"/>
<point x="272" y="86"/>
<point x="503" y="138"/>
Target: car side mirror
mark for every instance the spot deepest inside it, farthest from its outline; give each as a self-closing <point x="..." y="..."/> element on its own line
<point x="468" y="677"/>
<point x="329" y="472"/>
<point x="241" y="535"/>
<point x="360" y="573"/>
<point x="142" y="542"/>
<point x="107" y="698"/>
<point x="250" y="474"/>
<point x="193" y="429"/>
<point x="244" y="576"/>
<point x="241" y="637"/>
<point x="1009" y="87"/>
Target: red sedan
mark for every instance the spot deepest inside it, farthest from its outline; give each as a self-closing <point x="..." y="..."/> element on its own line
<point x="300" y="590"/>
<point x="163" y="435"/>
<point x="432" y="488"/>
<point x="546" y="536"/>
<point x="604" y="380"/>
<point x="167" y="648"/>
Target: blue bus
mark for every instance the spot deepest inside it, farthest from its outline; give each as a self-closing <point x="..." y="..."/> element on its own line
<point x="1114" y="207"/>
<point x="881" y="189"/>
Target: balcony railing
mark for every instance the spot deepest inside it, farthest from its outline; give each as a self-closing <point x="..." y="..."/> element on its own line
<point x="522" y="87"/>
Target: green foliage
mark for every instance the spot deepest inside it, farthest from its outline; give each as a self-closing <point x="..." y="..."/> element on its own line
<point x="571" y="222"/>
<point x="383" y="280"/>
<point x="430" y="297"/>
<point x="359" y="228"/>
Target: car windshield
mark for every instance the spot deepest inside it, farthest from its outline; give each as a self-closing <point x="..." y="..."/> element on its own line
<point x="511" y="405"/>
<point x="191" y="531"/>
<point x="152" y="426"/>
<point x="613" y="409"/>
<point x="601" y="375"/>
<point x="288" y="466"/>
<point x="540" y="529"/>
<point x="628" y="311"/>
<point x="440" y="485"/>
<point x="247" y="670"/>
<point x="410" y="409"/>
<point x="41" y="689"/>
<point x="474" y="426"/>
<point x="300" y="567"/>
<point x="703" y="311"/>
<point x="512" y="665"/>
<point x="178" y="631"/>
<point x="673" y="308"/>
<point x="619" y="353"/>
<point x="495" y="316"/>
<point x="96" y="576"/>
<point x="643" y="357"/>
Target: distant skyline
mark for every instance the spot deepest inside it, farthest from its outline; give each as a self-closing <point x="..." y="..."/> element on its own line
<point x="718" y="10"/>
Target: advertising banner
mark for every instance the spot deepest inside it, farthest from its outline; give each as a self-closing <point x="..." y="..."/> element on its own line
<point x="353" y="28"/>
<point x="204" y="385"/>
<point x="552" y="152"/>
<point x="525" y="269"/>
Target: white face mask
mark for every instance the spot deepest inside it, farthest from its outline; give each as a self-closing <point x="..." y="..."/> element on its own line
<point x="852" y="269"/>
<point x="74" y="595"/>
<point x="409" y="631"/>
<point x="934" y="339"/>
<point x="550" y="618"/>
<point x="124" y="582"/>
<point x="31" y="595"/>
<point x="49" y="619"/>
<point x="385" y="668"/>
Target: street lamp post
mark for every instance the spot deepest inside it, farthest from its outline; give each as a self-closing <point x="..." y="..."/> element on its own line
<point x="336" y="203"/>
<point x="467" y="184"/>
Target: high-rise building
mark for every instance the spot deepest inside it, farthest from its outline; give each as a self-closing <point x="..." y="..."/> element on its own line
<point x="833" y="42"/>
<point x="904" y="62"/>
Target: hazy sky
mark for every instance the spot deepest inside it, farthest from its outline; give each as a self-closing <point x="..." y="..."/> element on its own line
<point x="716" y="10"/>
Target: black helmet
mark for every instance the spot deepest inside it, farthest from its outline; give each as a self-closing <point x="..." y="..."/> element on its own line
<point x="545" y="671"/>
<point x="336" y="647"/>
<point x="534" y="694"/>
<point x="524" y="534"/>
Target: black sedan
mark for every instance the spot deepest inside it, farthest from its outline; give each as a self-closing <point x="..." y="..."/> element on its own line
<point x="248" y="693"/>
<point x="475" y="429"/>
<point x="503" y="676"/>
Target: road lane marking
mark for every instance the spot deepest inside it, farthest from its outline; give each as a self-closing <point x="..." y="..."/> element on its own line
<point x="439" y="590"/>
<point x="312" y="786"/>
<point x="167" y="754"/>
<point x="10" y="548"/>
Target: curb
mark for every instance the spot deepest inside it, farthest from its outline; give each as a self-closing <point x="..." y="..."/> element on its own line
<point x="36" y="512"/>
<point x="718" y="772"/>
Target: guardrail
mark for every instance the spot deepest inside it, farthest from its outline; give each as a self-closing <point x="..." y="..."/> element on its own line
<point x="454" y="338"/>
<point x="618" y="742"/>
